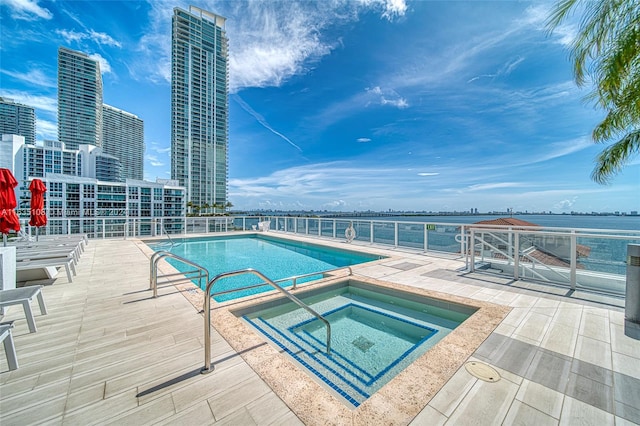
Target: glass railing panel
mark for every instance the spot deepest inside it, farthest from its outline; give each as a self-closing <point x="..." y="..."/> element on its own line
<point x="411" y="235"/>
<point x="313" y="225"/>
<point x="384" y="233"/>
<point x="326" y="228"/>
<point x="443" y="238"/>
<point x="363" y="230"/>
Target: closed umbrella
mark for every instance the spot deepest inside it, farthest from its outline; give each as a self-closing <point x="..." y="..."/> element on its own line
<point x="38" y="215"/>
<point x="8" y="218"/>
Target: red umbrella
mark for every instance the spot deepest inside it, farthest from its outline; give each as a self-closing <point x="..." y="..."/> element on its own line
<point x="8" y="218"/>
<point x="38" y="215"/>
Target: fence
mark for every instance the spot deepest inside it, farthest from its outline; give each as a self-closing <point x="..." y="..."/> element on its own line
<point x="590" y="259"/>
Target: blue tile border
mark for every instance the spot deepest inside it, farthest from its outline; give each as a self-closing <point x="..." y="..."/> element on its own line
<point x="356" y="395"/>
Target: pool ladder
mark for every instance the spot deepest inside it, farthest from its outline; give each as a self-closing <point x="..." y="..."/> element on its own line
<point x="202" y="272"/>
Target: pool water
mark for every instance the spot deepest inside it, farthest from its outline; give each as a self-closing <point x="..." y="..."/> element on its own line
<point x="274" y="257"/>
<point x="375" y="333"/>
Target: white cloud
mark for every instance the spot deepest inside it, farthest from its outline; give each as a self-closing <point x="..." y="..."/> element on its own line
<point x="44" y="103"/>
<point x="387" y="97"/>
<point x="46" y="129"/>
<point x="492" y="186"/>
<point x="270" y="41"/>
<point x="263" y="122"/>
<point x="27" y="10"/>
<point x="560" y="149"/>
<point x="363" y="140"/>
<point x="101" y="39"/>
<point x="335" y="205"/>
<point x="33" y="76"/>
<point x="153" y="160"/>
<point x="565" y="205"/>
<point x="428" y="174"/>
<point x="105" y="67"/>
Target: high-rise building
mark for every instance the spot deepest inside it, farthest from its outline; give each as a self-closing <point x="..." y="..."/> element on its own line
<point x="79" y="99"/>
<point x="9" y="147"/>
<point x="17" y="119"/>
<point x="123" y="137"/>
<point x="199" y="105"/>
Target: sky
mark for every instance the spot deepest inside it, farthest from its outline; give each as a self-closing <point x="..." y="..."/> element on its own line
<point x="349" y="105"/>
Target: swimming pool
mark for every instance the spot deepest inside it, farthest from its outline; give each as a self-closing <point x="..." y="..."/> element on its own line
<point x="277" y="258"/>
<point x="375" y="333"/>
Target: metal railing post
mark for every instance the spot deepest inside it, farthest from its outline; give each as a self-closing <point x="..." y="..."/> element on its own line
<point x="516" y="258"/>
<point x="395" y="233"/>
<point x="574" y="260"/>
<point x="472" y="248"/>
<point x="425" y="238"/>
<point x="371" y="232"/>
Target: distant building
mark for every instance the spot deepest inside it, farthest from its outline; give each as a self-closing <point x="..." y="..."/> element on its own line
<point x="17" y="119"/>
<point x="79" y="99"/>
<point x="87" y="205"/>
<point x="52" y="157"/>
<point x="86" y="183"/>
<point x="9" y="146"/>
<point x="199" y="105"/>
<point x="123" y="137"/>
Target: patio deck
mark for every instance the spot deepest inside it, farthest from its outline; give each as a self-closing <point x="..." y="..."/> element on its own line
<point x="108" y="353"/>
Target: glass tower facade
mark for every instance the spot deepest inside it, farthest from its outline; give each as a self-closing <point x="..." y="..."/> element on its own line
<point x="17" y="119"/>
<point x="123" y="137"/>
<point x="199" y="105"/>
<point x="79" y="99"/>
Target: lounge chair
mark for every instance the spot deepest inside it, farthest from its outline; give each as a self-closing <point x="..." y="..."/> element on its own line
<point x="9" y="348"/>
<point x="56" y="262"/>
<point x="47" y="252"/>
<point x="24" y="296"/>
<point x="264" y="225"/>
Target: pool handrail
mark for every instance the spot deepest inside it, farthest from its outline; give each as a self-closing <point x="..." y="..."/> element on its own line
<point x="207" y="311"/>
<point x="295" y="278"/>
<point x="161" y="254"/>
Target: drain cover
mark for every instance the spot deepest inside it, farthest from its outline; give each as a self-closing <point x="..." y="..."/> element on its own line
<point x="362" y="343"/>
<point x="482" y="371"/>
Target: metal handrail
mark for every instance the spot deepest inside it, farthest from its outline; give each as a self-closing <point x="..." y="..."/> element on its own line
<point x="207" y="311"/>
<point x="512" y="258"/>
<point x="295" y="278"/>
<point x="153" y="269"/>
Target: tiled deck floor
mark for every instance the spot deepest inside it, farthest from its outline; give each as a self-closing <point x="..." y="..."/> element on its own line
<point x="107" y="353"/>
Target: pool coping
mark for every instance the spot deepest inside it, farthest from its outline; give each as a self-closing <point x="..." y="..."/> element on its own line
<point x="397" y="402"/>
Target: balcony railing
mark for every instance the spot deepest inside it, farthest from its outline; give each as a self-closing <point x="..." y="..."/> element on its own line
<point x="590" y="259"/>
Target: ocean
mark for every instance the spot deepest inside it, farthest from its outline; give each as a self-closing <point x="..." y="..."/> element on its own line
<point x="631" y="223"/>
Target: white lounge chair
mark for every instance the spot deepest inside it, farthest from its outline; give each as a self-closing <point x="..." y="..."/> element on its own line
<point x="23" y="296"/>
<point x="264" y="225"/>
<point x="57" y="262"/>
<point x="9" y="348"/>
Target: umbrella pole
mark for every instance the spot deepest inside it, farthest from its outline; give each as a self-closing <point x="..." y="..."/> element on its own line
<point x="4" y="239"/>
<point x="37" y="229"/>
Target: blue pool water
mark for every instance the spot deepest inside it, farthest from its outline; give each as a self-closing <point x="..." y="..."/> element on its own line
<point x="375" y="333"/>
<point x="274" y="257"/>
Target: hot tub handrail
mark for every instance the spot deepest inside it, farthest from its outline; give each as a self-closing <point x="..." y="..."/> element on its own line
<point x="295" y="278"/>
<point x="161" y="254"/>
<point x="207" y="311"/>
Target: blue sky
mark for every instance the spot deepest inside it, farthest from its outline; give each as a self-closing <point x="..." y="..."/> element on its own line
<point x="349" y="105"/>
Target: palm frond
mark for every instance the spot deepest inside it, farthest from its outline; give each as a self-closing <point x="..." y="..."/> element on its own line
<point x="613" y="159"/>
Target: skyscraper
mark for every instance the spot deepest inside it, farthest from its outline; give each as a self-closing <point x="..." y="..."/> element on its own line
<point x="17" y="119"/>
<point x="123" y="137"/>
<point x="79" y="99"/>
<point x="199" y="105"/>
